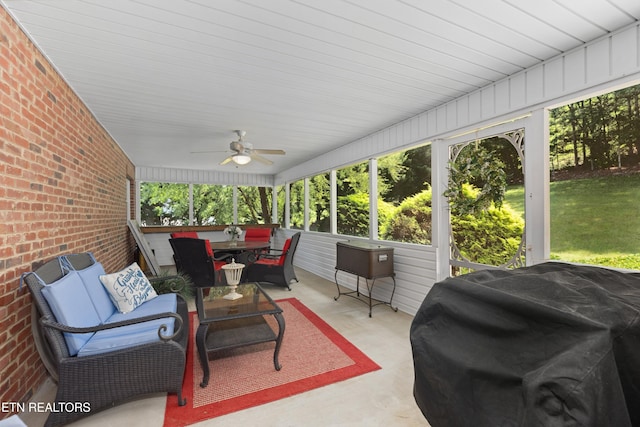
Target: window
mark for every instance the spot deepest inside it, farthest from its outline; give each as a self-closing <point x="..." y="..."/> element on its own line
<point x="281" y="204"/>
<point x="485" y="228"/>
<point x="164" y="204"/>
<point x="212" y="204"/>
<point x="404" y="196"/>
<point x="320" y="203"/>
<point x="353" y="200"/>
<point x="595" y="180"/>
<point x="254" y="205"/>
<point x="296" y="205"/>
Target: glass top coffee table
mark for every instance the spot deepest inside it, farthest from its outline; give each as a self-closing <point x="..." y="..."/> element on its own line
<point x="227" y="324"/>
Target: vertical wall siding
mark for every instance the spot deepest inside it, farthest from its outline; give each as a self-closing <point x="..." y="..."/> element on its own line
<point x="414" y="266"/>
<point x="157" y="174"/>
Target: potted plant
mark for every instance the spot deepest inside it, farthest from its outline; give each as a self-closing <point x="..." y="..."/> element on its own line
<point x="178" y="283"/>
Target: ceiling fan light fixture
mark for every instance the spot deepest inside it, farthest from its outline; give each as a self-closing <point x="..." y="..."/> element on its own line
<point x="241" y="159"/>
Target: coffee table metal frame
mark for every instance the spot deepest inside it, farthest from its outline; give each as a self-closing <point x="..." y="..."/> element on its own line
<point x="227" y="324"/>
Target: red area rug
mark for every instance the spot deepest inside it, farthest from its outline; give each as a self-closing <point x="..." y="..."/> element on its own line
<point x="312" y="355"/>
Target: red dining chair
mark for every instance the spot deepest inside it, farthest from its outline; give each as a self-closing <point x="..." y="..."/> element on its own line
<point x="258" y="235"/>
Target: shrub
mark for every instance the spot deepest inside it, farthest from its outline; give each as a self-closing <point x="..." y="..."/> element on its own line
<point x="353" y="214"/>
<point x="411" y="220"/>
<point x="490" y="236"/>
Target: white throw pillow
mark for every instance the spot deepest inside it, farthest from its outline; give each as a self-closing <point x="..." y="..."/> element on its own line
<point x="128" y="288"/>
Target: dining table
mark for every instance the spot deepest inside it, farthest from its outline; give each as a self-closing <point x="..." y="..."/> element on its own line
<point x="238" y="246"/>
<point x="239" y="250"/>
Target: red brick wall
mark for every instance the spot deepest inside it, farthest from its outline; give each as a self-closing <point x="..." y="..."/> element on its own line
<point x="63" y="189"/>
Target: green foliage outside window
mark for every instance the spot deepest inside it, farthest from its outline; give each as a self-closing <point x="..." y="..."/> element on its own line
<point x="280" y="192"/>
<point x="353" y="215"/>
<point x="212" y="204"/>
<point x="595" y="170"/>
<point x="320" y="203"/>
<point x="489" y="236"/>
<point x="404" y="191"/>
<point x="484" y="227"/>
<point x="353" y="200"/>
<point x="482" y="169"/>
<point x="168" y="204"/>
<point x="164" y="203"/>
<point x="254" y="205"/>
<point x="296" y="206"/>
<point x="411" y="221"/>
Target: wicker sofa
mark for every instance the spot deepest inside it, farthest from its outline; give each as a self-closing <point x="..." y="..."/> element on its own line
<point x="130" y="354"/>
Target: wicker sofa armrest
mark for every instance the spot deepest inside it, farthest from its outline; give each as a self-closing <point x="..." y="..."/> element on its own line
<point x="50" y="323"/>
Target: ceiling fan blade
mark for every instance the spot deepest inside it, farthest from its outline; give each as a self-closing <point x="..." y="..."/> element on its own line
<point x="260" y="159"/>
<point x="225" y="161"/>
<point x="266" y="151"/>
<point x="209" y="151"/>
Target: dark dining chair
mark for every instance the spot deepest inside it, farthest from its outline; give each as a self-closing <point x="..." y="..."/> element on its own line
<point x="193" y="259"/>
<point x="192" y="235"/>
<point x="276" y="266"/>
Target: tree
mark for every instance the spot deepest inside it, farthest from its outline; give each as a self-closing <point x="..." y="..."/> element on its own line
<point x="164" y="203"/>
<point x="211" y="204"/>
<point x="320" y="203"/>
<point x="296" y="204"/>
<point x="413" y="177"/>
<point x="600" y="132"/>
<point x="254" y="205"/>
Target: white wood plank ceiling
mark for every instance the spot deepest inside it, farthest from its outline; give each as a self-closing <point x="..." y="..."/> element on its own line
<point x="170" y="77"/>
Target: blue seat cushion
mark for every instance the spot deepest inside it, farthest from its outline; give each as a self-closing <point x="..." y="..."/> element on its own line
<point x="133" y="335"/>
<point x="160" y="304"/>
<point x="99" y="296"/>
<point x="71" y="305"/>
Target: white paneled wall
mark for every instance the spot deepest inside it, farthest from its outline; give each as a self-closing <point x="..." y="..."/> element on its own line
<point x="159" y="244"/>
<point x="414" y="266"/>
<point x="156" y="174"/>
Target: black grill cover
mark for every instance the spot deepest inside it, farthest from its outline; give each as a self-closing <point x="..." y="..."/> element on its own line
<point x="548" y="345"/>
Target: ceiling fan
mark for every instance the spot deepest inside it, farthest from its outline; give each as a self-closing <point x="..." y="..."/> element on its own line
<point x="244" y="152"/>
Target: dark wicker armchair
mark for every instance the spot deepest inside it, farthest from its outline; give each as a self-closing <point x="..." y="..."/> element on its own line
<point x="103" y="380"/>
<point x="275" y="266"/>
<point x="193" y="258"/>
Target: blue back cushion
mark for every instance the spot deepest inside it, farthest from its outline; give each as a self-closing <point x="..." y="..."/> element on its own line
<point x="72" y="306"/>
<point x="99" y="296"/>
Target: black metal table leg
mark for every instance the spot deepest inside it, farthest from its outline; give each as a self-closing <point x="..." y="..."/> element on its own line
<point x="201" y="338"/>
<point x="276" y="352"/>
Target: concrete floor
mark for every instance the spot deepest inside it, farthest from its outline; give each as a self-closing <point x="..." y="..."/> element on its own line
<point x="380" y="398"/>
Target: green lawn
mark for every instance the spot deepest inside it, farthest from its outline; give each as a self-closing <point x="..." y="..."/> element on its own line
<point x="594" y="220"/>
